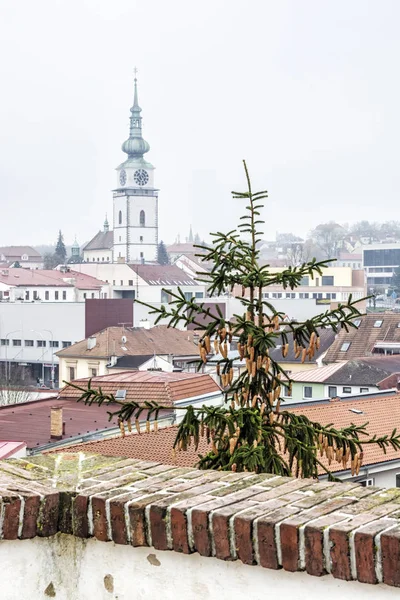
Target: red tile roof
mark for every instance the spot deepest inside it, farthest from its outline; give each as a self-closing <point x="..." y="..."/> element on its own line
<point x="158" y="446"/>
<point x="142" y="386"/>
<point x="48" y="278"/>
<point x="162" y="275"/>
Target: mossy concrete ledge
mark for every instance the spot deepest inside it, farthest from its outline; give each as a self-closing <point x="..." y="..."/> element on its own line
<point x="342" y="529"/>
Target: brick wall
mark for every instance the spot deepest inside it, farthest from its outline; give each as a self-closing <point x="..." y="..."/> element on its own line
<point x="274" y="522"/>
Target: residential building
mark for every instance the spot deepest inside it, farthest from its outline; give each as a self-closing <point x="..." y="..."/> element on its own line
<point x="334" y="286"/>
<point x="33" y="423"/>
<point x="100" y="353"/>
<point x="374" y="334"/>
<point x="63" y="285"/>
<point x="99" y="249"/>
<point x="26" y="256"/>
<point x="177" y="249"/>
<point x="291" y="364"/>
<point x="342" y="379"/>
<point x="349" y="259"/>
<point x="380" y="261"/>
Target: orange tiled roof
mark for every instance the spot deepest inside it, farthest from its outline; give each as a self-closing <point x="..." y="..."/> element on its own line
<point x="382" y="414"/>
<point x="142" y="386"/>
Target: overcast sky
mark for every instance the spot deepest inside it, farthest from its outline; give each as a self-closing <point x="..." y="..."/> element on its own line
<point x="306" y="91"/>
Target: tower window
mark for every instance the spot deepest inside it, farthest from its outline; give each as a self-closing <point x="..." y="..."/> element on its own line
<point x="142" y="218"/>
<point x="120" y="217"/>
<point x="141" y="238"/>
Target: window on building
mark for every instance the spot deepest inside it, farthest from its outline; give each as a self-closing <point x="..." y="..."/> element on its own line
<point x="41" y="343"/>
<point x="332" y="391"/>
<point x="166" y="296"/>
<point x="17" y="343"/>
<point x="397" y="479"/>
<point x="317" y="281"/>
<point x="327" y="280"/>
<point x="346" y="390"/>
<point x="364" y="390"/>
<point x="98" y="259"/>
<point x="113" y="281"/>
<point x="199" y="295"/>
<point x="66" y="344"/>
<point x="35" y="295"/>
<point x="55" y="295"/>
<point x="29" y="343"/>
<point x="120" y="217"/>
<point x="54" y="344"/>
<point x="279" y="295"/>
<point x="71" y="373"/>
<point x="378" y="324"/>
<point x="47" y="295"/>
<point x="92" y="294"/>
<point x="102" y="258"/>
<point x="130" y="282"/>
<point x="345" y="346"/>
<point x="122" y="282"/>
<point x="287" y="391"/>
<point x="120" y="238"/>
<point x="368" y="482"/>
<point x="27" y="295"/>
<point x="141" y="255"/>
<point x="142" y="218"/>
<point x="307" y="391"/>
<point x="5" y="342"/>
<point x="84" y="295"/>
<point x="141" y="238"/>
<point x="315" y="296"/>
<point x="64" y="295"/>
<point x="305" y="280"/>
<point x="92" y="372"/>
<point x="188" y="296"/>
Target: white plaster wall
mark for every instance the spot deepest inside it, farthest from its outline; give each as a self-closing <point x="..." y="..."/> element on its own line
<point x="78" y="569"/>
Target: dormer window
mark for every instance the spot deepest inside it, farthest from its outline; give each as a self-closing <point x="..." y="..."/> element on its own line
<point x="345" y="346"/>
<point x="378" y="324"/>
<point x="24" y="257"/>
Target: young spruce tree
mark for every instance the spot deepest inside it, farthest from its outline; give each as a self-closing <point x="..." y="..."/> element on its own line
<point x="253" y="431"/>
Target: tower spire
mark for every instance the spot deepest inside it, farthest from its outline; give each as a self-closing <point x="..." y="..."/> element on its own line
<point x="135" y="146"/>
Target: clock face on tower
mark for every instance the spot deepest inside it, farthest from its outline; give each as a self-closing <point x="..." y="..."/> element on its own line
<point x="141" y="177"/>
<point x="122" y="177"/>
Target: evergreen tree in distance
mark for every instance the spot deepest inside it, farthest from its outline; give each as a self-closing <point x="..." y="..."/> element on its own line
<point x="60" y="251"/>
<point x="252" y="431"/>
<point x="162" y="254"/>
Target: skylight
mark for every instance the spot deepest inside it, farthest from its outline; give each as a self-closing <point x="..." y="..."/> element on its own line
<point x="345" y="346"/>
<point x="357" y="322"/>
<point x="120" y="395"/>
<point x="378" y="324"/>
<point x="356" y="410"/>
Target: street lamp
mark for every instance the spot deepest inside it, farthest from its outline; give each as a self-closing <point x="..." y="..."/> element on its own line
<point x="52" y="357"/>
<point x="7" y="364"/>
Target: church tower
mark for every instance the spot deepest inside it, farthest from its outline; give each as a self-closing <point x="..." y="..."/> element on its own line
<point x="135" y="218"/>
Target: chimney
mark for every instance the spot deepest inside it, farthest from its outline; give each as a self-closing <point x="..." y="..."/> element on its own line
<point x="56" y="423"/>
<point x="91" y="342"/>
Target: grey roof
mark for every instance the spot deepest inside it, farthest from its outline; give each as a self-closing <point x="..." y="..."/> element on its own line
<point x="18" y="251"/>
<point x="365" y="371"/>
<point x="327" y="337"/>
<point x="131" y="362"/>
<point x="102" y="241"/>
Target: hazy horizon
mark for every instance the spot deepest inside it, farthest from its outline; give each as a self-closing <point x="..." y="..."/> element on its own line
<point x="305" y="92"/>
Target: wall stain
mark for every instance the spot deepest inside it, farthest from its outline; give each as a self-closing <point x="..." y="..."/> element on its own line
<point x="153" y="560"/>
<point x="109" y="583"/>
<point x="50" y="591"/>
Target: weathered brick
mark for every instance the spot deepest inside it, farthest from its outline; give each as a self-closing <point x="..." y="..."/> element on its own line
<point x="390" y="549"/>
<point x="365" y="549"/>
<point x="314" y="543"/>
<point x="11" y="506"/>
<point x="48" y="515"/>
<point x="339" y="537"/>
<point x="266" y="537"/>
<point x="137" y="518"/>
<point x="289" y="529"/>
<point x="99" y="515"/>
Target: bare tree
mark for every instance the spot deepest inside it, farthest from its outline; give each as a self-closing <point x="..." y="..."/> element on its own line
<point x="14" y="385"/>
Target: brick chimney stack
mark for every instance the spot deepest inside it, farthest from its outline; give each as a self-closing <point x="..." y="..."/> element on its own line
<point x="56" y="422"/>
